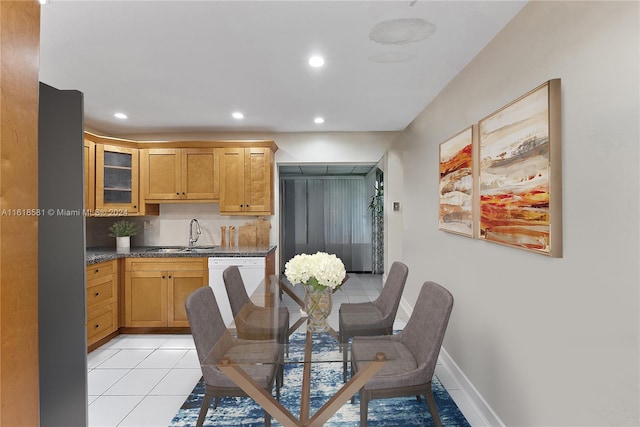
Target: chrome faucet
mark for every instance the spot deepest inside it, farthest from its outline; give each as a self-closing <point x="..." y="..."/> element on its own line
<point x="198" y="232"/>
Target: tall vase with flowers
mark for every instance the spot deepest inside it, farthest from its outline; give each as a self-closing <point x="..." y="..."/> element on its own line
<point x="320" y="274"/>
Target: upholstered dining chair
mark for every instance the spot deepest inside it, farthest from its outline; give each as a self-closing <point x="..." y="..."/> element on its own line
<point x="254" y="322"/>
<point x="413" y="353"/>
<point x="373" y="317"/>
<point x="213" y="342"/>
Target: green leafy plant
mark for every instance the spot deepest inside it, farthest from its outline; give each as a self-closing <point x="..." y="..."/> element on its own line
<point x="122" y="229"/>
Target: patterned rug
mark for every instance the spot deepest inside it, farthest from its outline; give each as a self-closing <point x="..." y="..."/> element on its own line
<point x="326" y="380"/>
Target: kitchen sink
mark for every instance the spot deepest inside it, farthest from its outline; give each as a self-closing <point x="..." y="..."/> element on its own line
<point x="166" y="250"/>
<point x="199" y="249"/>
<point x="186" y="249"/>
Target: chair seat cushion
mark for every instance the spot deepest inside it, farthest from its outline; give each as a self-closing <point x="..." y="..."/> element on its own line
<point x="362" y="319"/>
<point x="263" y="323"/>
<point x="400" y="368"/>
<point x="258" y="359"/>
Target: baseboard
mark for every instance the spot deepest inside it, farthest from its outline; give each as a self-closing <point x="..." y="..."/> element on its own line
<point x="489" y="417"/>
<point x="482" y="408"/>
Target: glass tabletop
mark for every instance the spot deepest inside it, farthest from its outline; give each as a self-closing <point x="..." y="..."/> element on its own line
<point x="264" y="340"/>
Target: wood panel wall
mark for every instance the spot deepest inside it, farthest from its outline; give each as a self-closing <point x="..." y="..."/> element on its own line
<point x="19" y="55"/>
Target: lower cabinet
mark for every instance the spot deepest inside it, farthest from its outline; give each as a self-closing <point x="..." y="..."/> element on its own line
<point x="155" y="290"/>
<point x="102" y="300"/>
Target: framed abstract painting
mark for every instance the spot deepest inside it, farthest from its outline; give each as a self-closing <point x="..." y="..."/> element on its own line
<point x="520" y="187"/>
<point x="457" y="183"/>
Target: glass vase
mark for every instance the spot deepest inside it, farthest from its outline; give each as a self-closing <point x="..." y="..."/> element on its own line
<point x="318" y="304"/>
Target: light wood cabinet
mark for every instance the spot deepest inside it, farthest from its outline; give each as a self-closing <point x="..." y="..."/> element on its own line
<point x="180" y="174"/>
<point x="102" y="300"/>
<point x="116" y="180"/>
<point x="155" y="290"/>
<point x="89" y="176"/>
<point x="246" y="181"/>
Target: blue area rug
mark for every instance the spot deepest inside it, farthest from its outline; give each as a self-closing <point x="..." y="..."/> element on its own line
<point x="326" y="380"/>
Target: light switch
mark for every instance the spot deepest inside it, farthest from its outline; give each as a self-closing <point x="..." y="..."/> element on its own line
<point x="396" y="206"/>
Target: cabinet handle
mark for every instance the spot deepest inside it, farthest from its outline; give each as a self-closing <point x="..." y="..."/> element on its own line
<point x="97" y="326"/>
<point x="97" y="293"/>
<point x="97" y="270"/>
<point x="135" y="207"/>
<point x="163" y="277"/>
<point x="183" y="193"/>
<point x="177" y="194"/>
<point x="169" y="277"/>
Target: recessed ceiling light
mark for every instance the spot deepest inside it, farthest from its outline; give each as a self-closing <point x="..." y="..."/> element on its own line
<point x="120" y="116"/>
<point x="237" y="115"/>
<point x="318" y="120"/>
<point x="316" y="61"/>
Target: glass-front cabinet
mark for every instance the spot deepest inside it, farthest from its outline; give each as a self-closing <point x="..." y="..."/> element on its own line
<point x="116" y="180"/>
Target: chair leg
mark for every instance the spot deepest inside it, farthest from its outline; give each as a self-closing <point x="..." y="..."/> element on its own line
<point x="216" y="403"/>
<point x="345" y="357"/>
<point x="267" y="419"/>
<point x="364" y="408"/>
<point x="433" y="408"/>
<point x="206" y="401"/>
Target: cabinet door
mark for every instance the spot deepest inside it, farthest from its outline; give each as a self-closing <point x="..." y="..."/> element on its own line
<point x="198" y="180"/>
<point x="257" y="181"/>
<point x="232" y="180"/>
<point x="145" y="298"/>
<point x="181" y="285"/>
<point x="89" y="176"/>
<point x="161" y="175"/>
<point x="116" y="179"/>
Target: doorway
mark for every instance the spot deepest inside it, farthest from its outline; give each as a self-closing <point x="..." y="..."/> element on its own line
<point x="328" y="208"/>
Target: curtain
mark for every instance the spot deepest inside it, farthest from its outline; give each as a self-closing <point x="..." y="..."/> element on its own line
<point x="330" y="215"/>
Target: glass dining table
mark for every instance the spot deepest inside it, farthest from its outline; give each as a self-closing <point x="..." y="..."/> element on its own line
<point x="303" y="353"/>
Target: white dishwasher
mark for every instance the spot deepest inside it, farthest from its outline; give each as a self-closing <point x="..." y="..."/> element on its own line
<point x="252" y="270"/>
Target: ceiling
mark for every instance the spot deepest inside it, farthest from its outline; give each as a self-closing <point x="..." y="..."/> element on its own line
<point x="185" y="66"/>
<point x="314" y="170"/>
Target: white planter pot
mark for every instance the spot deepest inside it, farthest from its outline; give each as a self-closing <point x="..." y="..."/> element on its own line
<point x="123" y="244"/>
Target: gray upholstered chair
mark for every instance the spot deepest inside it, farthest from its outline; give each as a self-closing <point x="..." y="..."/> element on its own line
<point x="254" y="322"/>
<point x="373" y="317"/>
<point x="213" y="341"/>
<point x="413" y="353"/>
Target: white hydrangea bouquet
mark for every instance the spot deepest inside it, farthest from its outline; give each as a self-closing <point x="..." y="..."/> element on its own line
<point x="320" y="270"/>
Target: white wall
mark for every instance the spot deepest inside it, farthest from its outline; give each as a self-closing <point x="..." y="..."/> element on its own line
<point x="547" y="342"/>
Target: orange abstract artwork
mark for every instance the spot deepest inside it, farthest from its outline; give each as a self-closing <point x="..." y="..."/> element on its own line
<point x="456" y="184"/>
<point x="515" y="172"/>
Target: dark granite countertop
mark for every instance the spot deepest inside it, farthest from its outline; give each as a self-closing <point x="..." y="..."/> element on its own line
<point x="96" y="255"/>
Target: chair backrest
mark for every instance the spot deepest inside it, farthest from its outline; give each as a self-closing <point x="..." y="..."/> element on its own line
<point x="389" y="299"/>
<point x="207" y="327"/>
<point x="236" y="291"/>
<point x="424" y="332"/>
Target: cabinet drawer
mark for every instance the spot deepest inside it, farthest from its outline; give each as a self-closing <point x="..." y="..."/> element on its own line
<point x="164" y="264"/>
<point x="101" y="269"/>
<point x="100" y="290"/>
<point x="101" y="322"/>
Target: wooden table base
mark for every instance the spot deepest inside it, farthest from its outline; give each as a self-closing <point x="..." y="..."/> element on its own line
<point x="282" y="414"/>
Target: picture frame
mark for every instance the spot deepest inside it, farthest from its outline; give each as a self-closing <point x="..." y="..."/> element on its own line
<point x="457" y="206"/>
<point x="520" y="188"/>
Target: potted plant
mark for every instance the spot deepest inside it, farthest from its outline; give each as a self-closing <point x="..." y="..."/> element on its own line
<point x="122" y="231"/>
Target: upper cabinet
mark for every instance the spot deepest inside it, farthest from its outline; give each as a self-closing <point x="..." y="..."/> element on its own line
<point x="132" y="178"/>
<point x="246" y="180"/>
<point x="180" y="174"/>
<point x="89" y="176"/>
<point x="116" y="180"/>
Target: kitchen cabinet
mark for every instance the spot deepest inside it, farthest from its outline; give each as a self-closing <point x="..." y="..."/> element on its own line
<point x="155" y="290"/>
<point x="117" y="175"/>
<point x="89" y="176"/>
<point x="180" y="174"/>
<point x="102" y="301"/>
<point x="246" y="176"/>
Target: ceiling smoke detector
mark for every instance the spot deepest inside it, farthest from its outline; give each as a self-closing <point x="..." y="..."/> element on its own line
<point x="401" y="31"/>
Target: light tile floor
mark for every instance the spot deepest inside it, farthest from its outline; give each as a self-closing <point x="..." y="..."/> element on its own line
<point x="142" y="380"/>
